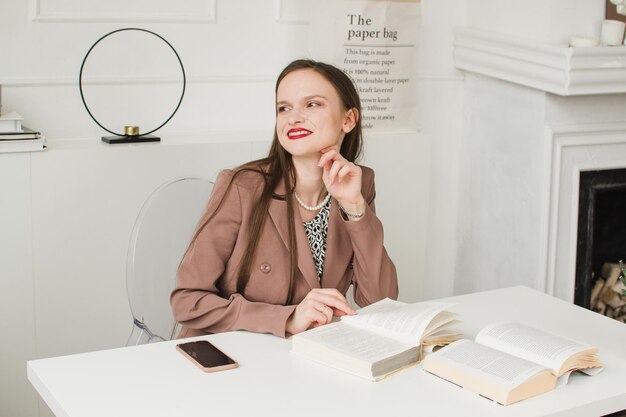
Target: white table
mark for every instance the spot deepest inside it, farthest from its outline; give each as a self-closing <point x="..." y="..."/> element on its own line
<point x="155" y="380"/>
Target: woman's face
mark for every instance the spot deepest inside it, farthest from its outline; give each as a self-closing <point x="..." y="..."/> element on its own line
<point x="309" y="114"/>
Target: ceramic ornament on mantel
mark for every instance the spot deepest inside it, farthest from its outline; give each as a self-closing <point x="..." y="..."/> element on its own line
<point x="620" y="6"/>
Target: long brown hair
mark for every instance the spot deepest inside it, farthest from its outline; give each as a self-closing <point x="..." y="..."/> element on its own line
<point x="277" y="166"/>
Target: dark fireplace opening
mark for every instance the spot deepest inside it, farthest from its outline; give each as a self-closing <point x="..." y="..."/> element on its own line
<point x="601" y="241"/>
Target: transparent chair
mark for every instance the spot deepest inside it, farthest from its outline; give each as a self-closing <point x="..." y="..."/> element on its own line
<point x="160" y="236"/>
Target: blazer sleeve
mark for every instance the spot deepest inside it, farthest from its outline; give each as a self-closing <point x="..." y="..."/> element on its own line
<point x="196" y="301"/>
<point x="374" y="274"/>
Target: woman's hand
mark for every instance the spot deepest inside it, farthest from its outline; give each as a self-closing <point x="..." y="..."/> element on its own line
<point x="318" y="308"/>
<point x="342" y="179"/>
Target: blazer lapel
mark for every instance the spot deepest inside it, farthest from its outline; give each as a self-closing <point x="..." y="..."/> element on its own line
<point x="278" y="214"/>
<point x="338" y="248"/>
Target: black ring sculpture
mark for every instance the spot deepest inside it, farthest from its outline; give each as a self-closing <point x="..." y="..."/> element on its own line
<point x="126" y="138"/>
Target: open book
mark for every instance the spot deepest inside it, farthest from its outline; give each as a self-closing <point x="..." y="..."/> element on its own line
<point x="379" y="340"/>
<point x="509" y="362"/>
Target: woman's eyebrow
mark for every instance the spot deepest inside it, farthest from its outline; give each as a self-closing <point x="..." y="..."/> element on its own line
<point x="307" y="98"/>
<point x="315" y="96"/>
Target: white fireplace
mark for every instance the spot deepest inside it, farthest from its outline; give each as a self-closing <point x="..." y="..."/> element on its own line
<point x="536" y="116"/>
<point x="573" y="149"/>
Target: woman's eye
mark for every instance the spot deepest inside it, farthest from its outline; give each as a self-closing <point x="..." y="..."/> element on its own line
<point x="281" y="109"/>
<point x="312" y="104"/>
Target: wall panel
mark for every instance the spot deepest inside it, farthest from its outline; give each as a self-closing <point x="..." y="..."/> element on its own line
<point x="17" y="306"/>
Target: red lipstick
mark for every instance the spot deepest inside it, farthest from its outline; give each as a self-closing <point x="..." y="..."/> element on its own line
<point x="298" y="133"/>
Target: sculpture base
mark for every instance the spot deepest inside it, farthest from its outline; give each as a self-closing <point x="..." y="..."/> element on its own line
<point x="130" y="139"/>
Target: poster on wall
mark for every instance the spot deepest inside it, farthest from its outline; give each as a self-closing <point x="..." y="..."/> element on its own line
<point x="376" y="43"/>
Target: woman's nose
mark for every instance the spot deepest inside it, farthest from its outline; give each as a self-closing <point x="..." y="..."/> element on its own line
<point x="295" y="117"/>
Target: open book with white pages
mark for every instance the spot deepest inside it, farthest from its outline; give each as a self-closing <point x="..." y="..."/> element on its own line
<point x="380" y="339"/>
<point x="509" y="362"/>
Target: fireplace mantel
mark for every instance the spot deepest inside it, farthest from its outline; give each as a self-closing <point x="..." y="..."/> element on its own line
<point x="556" y="69"/>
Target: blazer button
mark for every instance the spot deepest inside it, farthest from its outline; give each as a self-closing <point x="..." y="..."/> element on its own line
<point x="265" y="268"/>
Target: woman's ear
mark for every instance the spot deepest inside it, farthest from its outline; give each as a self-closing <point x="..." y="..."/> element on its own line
<point x="350" y="119"/>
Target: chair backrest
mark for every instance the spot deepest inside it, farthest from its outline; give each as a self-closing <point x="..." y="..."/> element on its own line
<point x="160" y="236"/>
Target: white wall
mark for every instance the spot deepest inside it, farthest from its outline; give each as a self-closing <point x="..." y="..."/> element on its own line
<point x="231" y="63"/>
<point x="501" y="193"/>
<point x="17" y="307"/>
<point x="547" y="21"/>
<point x="441" y="102"/>
<point x="71" y="208"/>
<point x="504" y="217"/>
<point x="66" y="213"/>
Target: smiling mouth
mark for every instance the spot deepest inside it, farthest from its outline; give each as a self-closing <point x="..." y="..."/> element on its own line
<point x="294" y="134"/>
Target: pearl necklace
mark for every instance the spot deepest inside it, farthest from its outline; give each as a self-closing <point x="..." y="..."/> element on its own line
<point x="311" y="208"/>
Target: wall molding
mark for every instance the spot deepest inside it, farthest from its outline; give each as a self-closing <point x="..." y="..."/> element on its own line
<point x="37" y="16"/>
<point x="572" y="149"/>
<point x="64" y="82"/>
<point x="556" y="69"/>
<point x="297" y="19"/>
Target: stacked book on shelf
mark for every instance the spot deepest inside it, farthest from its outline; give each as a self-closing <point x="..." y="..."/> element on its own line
<point x="14" y="137"/>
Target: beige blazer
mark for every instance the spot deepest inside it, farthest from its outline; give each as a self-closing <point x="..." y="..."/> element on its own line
<point x="205" y="298"/>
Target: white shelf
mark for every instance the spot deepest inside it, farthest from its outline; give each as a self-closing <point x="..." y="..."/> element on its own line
<point x="557" y="69"/>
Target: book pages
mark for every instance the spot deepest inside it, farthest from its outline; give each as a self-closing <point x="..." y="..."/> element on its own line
<point x="497" y="366"/>
<point x="531" y="344"/>
<point x="405" y="322"/>
<point x="354" y="341"/>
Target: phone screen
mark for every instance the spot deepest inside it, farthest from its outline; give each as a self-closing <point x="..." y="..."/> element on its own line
<point x="206" y="354"/>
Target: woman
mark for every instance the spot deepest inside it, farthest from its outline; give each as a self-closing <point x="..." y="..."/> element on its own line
<point x="283" y="237"/>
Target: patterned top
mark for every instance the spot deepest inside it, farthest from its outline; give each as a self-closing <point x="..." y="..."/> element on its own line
<point x="316" y="232"/>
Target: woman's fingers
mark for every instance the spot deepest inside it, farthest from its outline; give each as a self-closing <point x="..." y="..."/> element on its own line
<point x="335" y="168"/>
<point x="317" y="309"/>
<point x="314" y="313"/>
<point x="338" y="313"/>
<point x="332" y="298"/>
<point x="339" y="169"/>
<point x="346" y="170"/>
<point x="327" y="312"/>
<point x="328" y="155"/>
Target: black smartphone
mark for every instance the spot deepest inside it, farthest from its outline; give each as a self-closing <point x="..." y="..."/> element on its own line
<point x="206" y="356"/>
